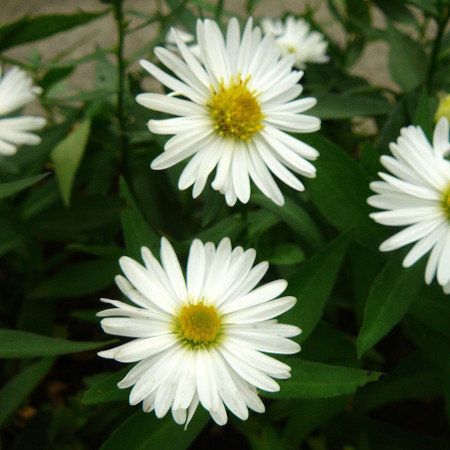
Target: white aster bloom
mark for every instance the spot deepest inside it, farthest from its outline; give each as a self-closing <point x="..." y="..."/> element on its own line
<point x="16" y="90"/>
<point x="187" y="38"/>
<point x="200" y="340"/>
<point x="294" y="37"/>
<point x="239" y="100"/>
<point x="417" y="195"/>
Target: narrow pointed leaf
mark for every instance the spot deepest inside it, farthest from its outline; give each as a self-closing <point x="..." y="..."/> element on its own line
<point x="67" y="157"/>
<point x="30" y="29"/>
<point x="22" y="344"/>
<point x="136" y="229"/>
<point x="312" y="283"/>
<point x="7" y="189"/>
<point x="15" y="390"/>
<point x="317" y="380"/>
<point x="389" y="299"/>
<point x="144" y="431"/>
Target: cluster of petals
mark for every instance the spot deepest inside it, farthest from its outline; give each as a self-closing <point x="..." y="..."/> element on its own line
<point x="17" y="90"/>
<point x="255" y="61"/>
<point x="294" y="37"/>
<point x="172" y="375"/>
<point x="416" y="194"/>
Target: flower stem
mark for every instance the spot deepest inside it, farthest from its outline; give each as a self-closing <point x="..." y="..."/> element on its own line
<point x="437" y="43"/>
<point x="121" y="114"/>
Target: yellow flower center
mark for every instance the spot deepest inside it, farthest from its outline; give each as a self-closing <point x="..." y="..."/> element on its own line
<point x="235" y="111"/>
<point x="446" y="202"/>
<point x="198" y="325"/>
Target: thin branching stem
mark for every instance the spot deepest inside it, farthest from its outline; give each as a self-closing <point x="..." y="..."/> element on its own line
<point x="121" y="89"/>
<point x="435" y="51"/>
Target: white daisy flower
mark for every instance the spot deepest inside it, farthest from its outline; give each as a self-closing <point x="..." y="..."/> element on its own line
<point x="294" y="37"/>
<point x="200" y="340"/>
<point x="240" y="99"/>
<point x="187" y="38"/>
<point x="417" y="195"/>
<point x="16" y="90"/>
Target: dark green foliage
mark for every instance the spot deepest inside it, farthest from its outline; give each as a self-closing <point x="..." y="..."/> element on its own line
<point x="374" y="370"/>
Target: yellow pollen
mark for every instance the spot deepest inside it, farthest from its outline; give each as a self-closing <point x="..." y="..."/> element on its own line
<point x="235" y="111"/>
<point x="199" y="325"/>
<point x="446" y="202"/>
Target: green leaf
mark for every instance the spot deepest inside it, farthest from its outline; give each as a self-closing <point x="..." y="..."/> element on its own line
<point x="181" y="13"/>
<point x="30" y="29"/>
<point x="427" y="6"/>
<point x="407" y="60"/>
<point x="423" y="117"/>
<point x="53" y="76"/>
<point x="390" y="437"/>
<point x="286" y="254"/>
<point x="306" y="415"/>
<point x="16" y="390"/>
<point x="294" y="216"/>
<point x="434" y="343"/>
<point x="22" y="344"/>
<point x="397" y="11"/>
<point x="67" y="157"/>
<point x="317" y="380"/>
<point x="78" y="221"/>
<point x="327" y="344"/>
<point x="311" y="284"/>
<point x="433" y="309"/>
<point x="79" y="279"/>
<point x="136" y="229"/>
<point x="261" y="434"/>
<point x="31" y="162"/>
<point x="340" y="192"/>
<point x="332" y="106"/>
<point x="7" y="189"/>
<point x="105" y="390"/>
<point x="145" y="432"/>
<point x="9" y="236"/>
<point x="389" y="299"/>
<point x="230" y="226"/>
<point x="414" y="377"/>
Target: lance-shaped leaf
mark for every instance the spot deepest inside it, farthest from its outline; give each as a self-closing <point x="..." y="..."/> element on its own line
<point x="316" y="380"/>
<point x="144" y="431"/>
<point x="389" y="299"/>
<point x="14" y="392"/>
<point x="30" y="29"/>
<point x="67" y="157"/>
<point x="340" y="192"/>
<point x="7" y="189"/>
<point x="136" y="229"/>
<point x="311" y="284"/>
<point x="22" y="344"/>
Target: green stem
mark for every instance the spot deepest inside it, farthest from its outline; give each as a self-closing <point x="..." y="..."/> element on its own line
<point x="435" y="51"/>
<point x="121" y="90"/>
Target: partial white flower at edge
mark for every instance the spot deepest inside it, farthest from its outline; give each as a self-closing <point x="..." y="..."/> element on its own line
<point x="17" y="90"/>
<point x="294" y="37"/>
<point x="417" y="195"/>
<point x="239" y="102"/>
<point x="200" y="339"/>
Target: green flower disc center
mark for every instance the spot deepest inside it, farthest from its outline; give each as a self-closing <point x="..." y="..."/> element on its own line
<point x="199" y="325"/>
<point x="235" y="111"/>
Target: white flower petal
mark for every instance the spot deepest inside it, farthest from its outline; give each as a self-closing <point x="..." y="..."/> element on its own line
<point x="262" y="312"/>
<point x="173" y="270"/>
<point x="441" y="142"/>
<point x="249" y="373"/>
<point x="416" y="195"/>
<point x="196" y="269"/>
<point x="209" y="126"/>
